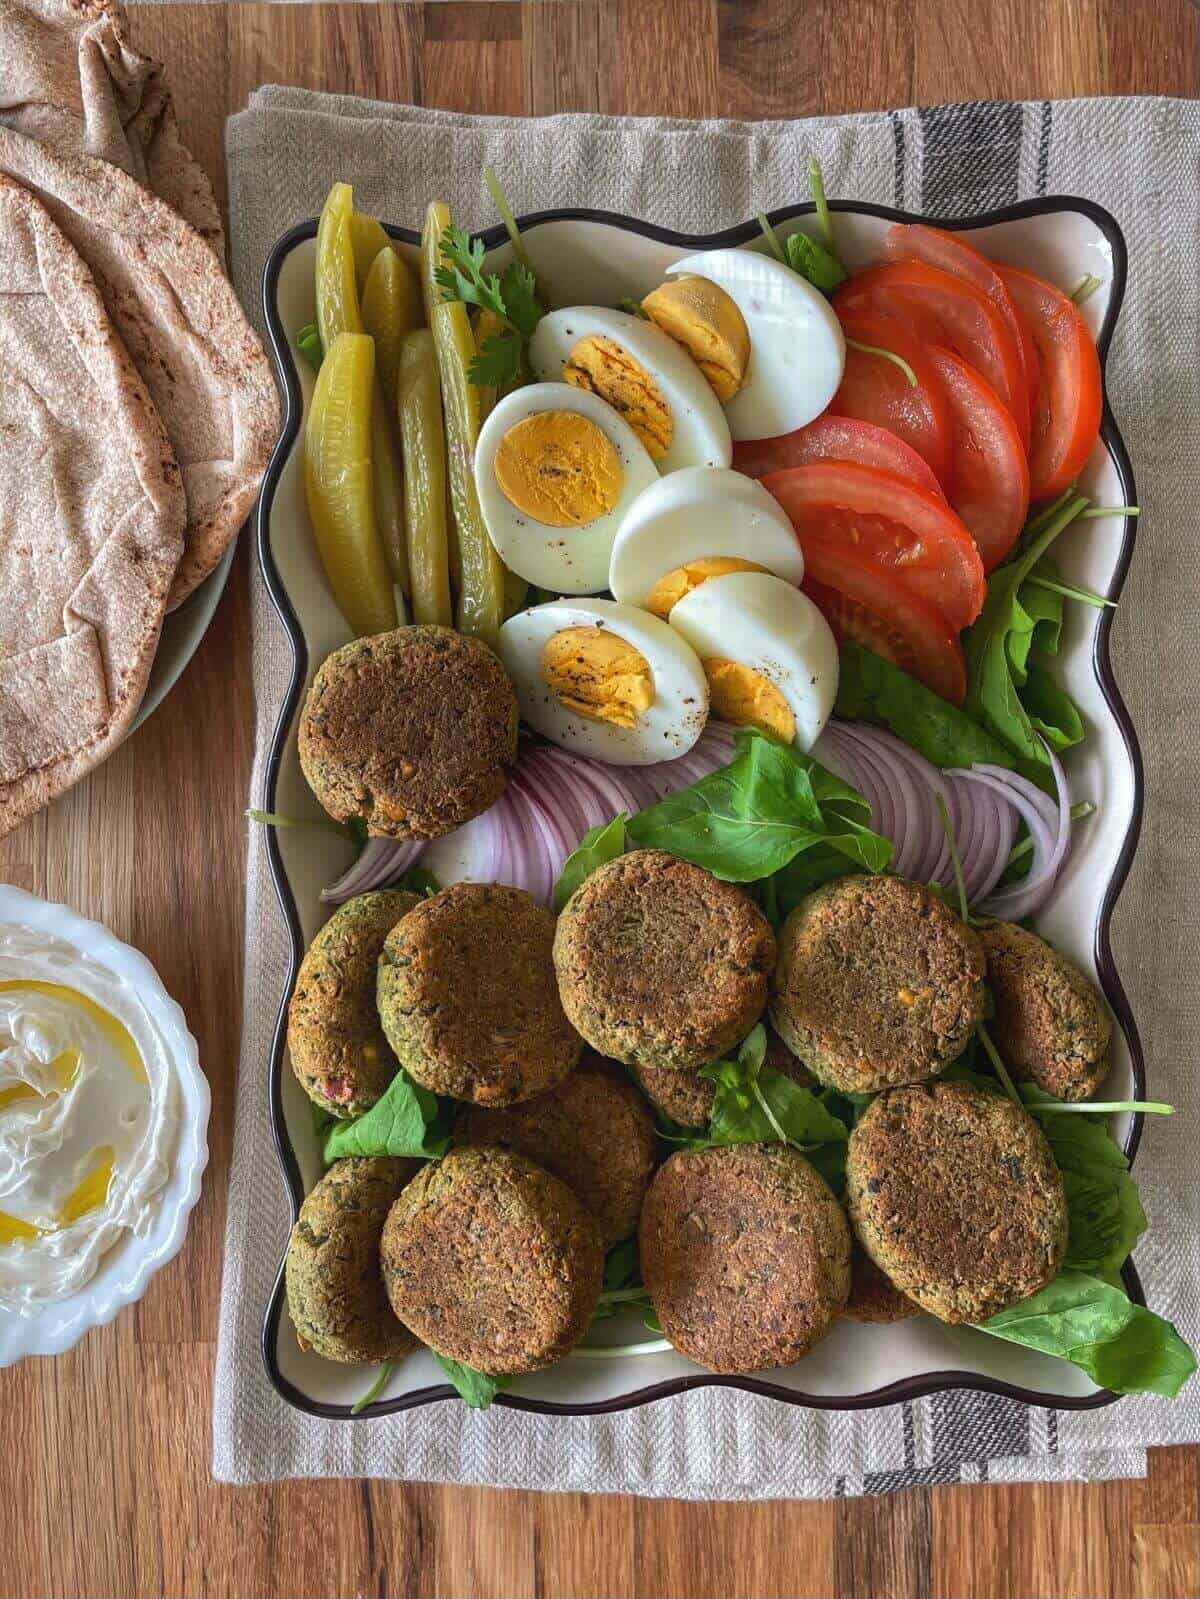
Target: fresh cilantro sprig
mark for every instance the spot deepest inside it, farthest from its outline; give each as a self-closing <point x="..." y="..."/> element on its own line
<point x="511" y="297"/>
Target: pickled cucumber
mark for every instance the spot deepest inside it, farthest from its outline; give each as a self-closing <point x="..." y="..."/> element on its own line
<point x="338" y="482"/>
<point x="386" y="482"/>
<point x="391" y="307"/>
<point x="487" y="325"/>
<point x="337" y="288"/>
<point x="481" y="591"/>
<point x="423" y="444"/>
<point x="367" y="237"/>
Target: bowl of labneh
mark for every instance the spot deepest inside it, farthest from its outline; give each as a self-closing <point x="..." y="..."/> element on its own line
<point x="103" y="1125"/>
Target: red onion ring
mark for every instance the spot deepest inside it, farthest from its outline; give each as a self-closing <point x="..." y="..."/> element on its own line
<point x="379" y="862"/>
<point x="1027" y="897"/>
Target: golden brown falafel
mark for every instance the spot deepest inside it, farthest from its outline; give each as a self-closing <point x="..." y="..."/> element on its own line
<point x="660" y="963"/>
<point x="1051" y="1025"/>
<point x="411" y="730"/>
<point x="745" y="1254"/>
<point x="468" y="998"/>
<point x="878" y="983"/>
<point x="338" y="1052"/>
<point x="492" y="1261"/>
<point x="872" y="1297"/>
<point x="955" y="1195"/>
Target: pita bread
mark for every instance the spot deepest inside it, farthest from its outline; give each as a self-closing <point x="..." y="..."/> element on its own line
<point x="178" y="317"/>
<point x="92" y="514"/>
<point x="73" y="81"/>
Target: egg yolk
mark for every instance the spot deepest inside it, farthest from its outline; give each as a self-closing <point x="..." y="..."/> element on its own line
<point x="597" y="674"/>
<point x="739" y="694"/>
<point x="601" y="366"/>
<point x="698" y="314"/>
<point x="671" y="588"/>
<point x="559" y="468"/>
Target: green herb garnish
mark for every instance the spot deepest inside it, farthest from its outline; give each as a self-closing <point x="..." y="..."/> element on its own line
<point x="308" y="342"/>
<point x="511" y="296"/>
<point x="871" y="689"/>
<point x="406" y="1121"/>
<point x="888" y="355"/>
<point x="632" y="307"/>
<point x="374" y="1391"/>
<point x="597" y="846"/>
<point x="476" y="1389"/>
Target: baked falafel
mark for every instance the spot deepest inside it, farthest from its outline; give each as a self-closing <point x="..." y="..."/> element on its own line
<point x="338" y="1052"/>
<point x="687" y="1097"/>
<point x="1051" y="1025"/>
<point x="492" y="1261"/>
<point x="745" y="1254"/>
<point x="878" y="983"/>
<point x="954" y="1193"/>
<point x="412" y="731"/>
<point x="660" y="963"/>
<point x="872" y="1296"/>
<point x="468" y="998"/>
<point x="594" y="1131"/>
<point x="335" y="1289"/>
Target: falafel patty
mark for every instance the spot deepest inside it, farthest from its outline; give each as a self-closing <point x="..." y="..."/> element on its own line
<point x="661" y="964"/>
<point x="468" y="998"/>
<point x="1051" y="1025"/>
<point x="339" y="1054"/>
<point x="955" y="1195"/>
<point x="872" y="1296"/>
<point x="878" y="983"/>
<point x="687" y="1097"/>
<point x="335" y="1287"/>
<point x="492" y="1261"/>
<point x="746" y="1255"/>
<point x="594" y="1131"/>
<point x="410" y="730"/>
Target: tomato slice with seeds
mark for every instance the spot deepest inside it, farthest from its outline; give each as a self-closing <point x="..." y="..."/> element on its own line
<point x="874" y="389"/>
<point x="865" y="606"/>
<point x="944" y="309"/>
<point x="911" y="536"/>
<point x="916" y="241"/>
<point x="836" y="438"/>
<point x="991" y="474"/>
<point x="1066" y="422"/>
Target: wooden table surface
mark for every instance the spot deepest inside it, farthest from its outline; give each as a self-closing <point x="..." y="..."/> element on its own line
<point x="106" y="1485"/>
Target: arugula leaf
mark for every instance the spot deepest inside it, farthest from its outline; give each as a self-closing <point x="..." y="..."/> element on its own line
<point x="598" y="845"/>
<point x="997" y="648"/>
<point x="753" y="817"/>
<point x="476" y="1389"/>
<point x="404" y="1122"/>
<point x="871" y="689"/>
<point x="1097" y="1327"/>
<point x="814" y="262"/>
<point x="1105" y="1213"/>
<point x="308" y="342"/>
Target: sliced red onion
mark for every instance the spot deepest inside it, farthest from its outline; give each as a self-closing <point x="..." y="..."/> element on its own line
<point x="910" y="826"/>
<point x="471" y="854"/>
<point x="380" y="861"/>
<point x="1050" y="839"/>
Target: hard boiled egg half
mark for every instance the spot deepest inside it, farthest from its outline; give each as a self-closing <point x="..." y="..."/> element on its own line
<point x="643" y="374"/>
<point x="695" y="525"/>
<point x="556" y="470"/>
<point x="606" y="680"/>
<point x="767" y="652"/>
<point x="797" y="348"/>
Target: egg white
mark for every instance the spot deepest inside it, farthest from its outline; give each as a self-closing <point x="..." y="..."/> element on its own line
<point x="569" y="560"/>
<point x="764" y="623"/>
<point x="701" y="433"/>
<point x="669" y="727"/>
<point x="797" y="348"/>
<point x="697" y="513"/>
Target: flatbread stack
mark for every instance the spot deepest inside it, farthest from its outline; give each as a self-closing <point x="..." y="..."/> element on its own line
<point x="138" y="408"/>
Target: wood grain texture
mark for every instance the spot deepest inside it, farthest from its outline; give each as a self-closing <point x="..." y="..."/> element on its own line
<point x="105" y="1471"/>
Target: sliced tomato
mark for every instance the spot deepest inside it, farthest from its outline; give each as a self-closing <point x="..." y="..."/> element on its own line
<point x="866" y="606"/>
<point x="991" y="474"/>
<point x="912" y="536"/>
<point x="946" y="310"/>
<point x="874" y="389"/>
<point x="917" y="241"/>
<point x="836" y="438"/>
<point x="1066" y="422"/>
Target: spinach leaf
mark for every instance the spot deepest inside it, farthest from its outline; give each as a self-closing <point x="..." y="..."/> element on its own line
<point x="814" y="262"/>
<point x="998" y="643"/>
<point x="621" y="1266"/>
<point x="308" y="342"/>
<point x="871" y="689"/>
<point x="476" y="1389"/>
<point x="1051" y="710"/>
<point x="404" y="1122"/>
<point x="1104" y="1210"/>
<point x="597" y="846"/>
<point x="416" y="880"/>
<point x="754" y="816"/>
<point x="1097" y="1327"/>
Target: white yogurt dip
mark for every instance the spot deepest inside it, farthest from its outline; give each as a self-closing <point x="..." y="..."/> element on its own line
<point x="89" y="1116"/>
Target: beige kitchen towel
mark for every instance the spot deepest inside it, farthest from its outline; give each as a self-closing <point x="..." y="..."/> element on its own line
<point x="1140" y="159"/>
